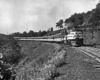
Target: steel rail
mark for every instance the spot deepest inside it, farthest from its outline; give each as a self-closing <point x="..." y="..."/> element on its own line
<point x="94" y="56"/>
<point x="91" y="48"/>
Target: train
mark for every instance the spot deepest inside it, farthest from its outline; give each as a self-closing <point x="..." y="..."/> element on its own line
<point x="73" y="38"/>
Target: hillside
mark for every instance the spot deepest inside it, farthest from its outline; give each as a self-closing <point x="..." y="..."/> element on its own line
<point x="10" y="49"/>
<point x="90" y="19"/>
<point x="55" y="62"/>
<point x="41" y="60"/>
<point x="47" y="61"/>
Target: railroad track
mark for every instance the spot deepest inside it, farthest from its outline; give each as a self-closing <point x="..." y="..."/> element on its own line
<point x="90" y="51"/>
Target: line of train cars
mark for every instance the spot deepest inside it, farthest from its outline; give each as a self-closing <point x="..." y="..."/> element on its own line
<point x="73" y="38"/>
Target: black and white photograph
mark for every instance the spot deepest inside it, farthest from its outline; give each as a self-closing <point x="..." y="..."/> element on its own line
<point x="49" y="39"/>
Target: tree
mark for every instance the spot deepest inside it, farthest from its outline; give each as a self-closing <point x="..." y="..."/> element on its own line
<point x="94" y="17"/>
<point x="50" y="29"/>
<point x="77" y="19"/>
<point x="59" y="24"/>
<point x="30" y="33"/>
<point x="24" y="34"/>
<point x="16" y="34"/>
<point x="43" y="33"/>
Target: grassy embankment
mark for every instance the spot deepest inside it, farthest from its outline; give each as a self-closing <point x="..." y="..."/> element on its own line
<point x="10" y="49"/>
<point x="41" y="61"/>
<point x="33" y="60"/>
<point x="49" y="61"/>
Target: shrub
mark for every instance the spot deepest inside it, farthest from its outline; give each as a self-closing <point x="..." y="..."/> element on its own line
<point x="10" y="49"/>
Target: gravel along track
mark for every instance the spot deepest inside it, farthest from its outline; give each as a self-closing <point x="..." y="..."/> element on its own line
<point x="92" y="52"/>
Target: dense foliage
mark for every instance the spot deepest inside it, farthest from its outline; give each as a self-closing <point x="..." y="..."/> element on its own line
<point x="59" y="24"/>
<point x="10" y="50"/>
<point x="30" y="34"/>
<point x="91" y="18"/>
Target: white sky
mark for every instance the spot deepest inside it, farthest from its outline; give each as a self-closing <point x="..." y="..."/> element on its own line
<point x="26" y="15"/>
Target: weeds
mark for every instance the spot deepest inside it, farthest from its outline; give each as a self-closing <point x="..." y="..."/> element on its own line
<point x="45" y="67"/>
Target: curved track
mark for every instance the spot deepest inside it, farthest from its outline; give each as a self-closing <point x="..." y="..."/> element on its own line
<point x="92" y="52"/>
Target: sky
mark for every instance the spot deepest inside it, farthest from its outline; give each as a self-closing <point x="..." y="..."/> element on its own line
<point x="26" y="15"/>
